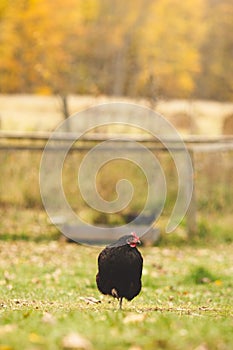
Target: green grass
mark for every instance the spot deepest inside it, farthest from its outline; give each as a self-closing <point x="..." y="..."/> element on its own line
<point x="42" y="284"/>
<point x="186" y="299"/>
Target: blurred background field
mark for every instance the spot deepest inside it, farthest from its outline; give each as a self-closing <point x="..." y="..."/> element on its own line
<point x="19" y="187"/>
<point x="58" y="58"/>
<point x="20" y="193"/>
<point x="43" y="113"/>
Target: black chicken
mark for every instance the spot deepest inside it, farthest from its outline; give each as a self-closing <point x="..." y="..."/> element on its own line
<point x="120" y="269"/>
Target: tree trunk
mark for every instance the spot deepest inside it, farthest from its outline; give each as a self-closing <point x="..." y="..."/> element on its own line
<point x="65" y="111"/>
<point x="120" y="73"/>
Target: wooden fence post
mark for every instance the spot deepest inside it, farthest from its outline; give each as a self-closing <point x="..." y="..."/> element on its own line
<point x="191" y="215"/>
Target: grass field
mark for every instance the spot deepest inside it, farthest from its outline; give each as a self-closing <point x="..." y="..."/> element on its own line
<point x="185" y="303"/>
<point x="49" y="298"/>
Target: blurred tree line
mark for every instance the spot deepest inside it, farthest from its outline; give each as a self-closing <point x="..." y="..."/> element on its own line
<point x="149" y="48"/>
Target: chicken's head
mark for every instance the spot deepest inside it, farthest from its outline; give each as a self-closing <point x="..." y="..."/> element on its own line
<point x="133" y="240"/>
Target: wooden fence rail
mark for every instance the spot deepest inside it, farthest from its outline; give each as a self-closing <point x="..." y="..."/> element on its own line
<point x="69" y="136"/>
<point x="36" y="141"/>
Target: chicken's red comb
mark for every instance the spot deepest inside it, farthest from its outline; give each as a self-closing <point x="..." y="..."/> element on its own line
<point x="134" y="235"/>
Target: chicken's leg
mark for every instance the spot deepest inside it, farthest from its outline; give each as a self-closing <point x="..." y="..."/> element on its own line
<point x="120" y="303"/>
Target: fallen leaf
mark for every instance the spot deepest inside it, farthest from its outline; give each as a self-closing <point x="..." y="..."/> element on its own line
<point x="36" y="280"/>
<point x="135" y="347"/>
<point x="183" y="332"/>
<point x="7" y="328"/>
<point x="180" y="309"/>
<point x="48" y="318"/>
<point x="36" y="338"/>
<point x="204" y="308"/>
<point x="8" y="277"/>
<point x="218" y="282"/>
<point x="26" y="314"/>
<point x="76" y="342"/>
<point x="90" y="300"/>
<point x="134" y="318"/>
<point x="5" y="347"/>
<point x="185" y="292"/>
<point x="202" y="347"/>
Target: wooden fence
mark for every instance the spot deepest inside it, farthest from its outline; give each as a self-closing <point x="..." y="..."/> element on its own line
<point x="35" y="141"/>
